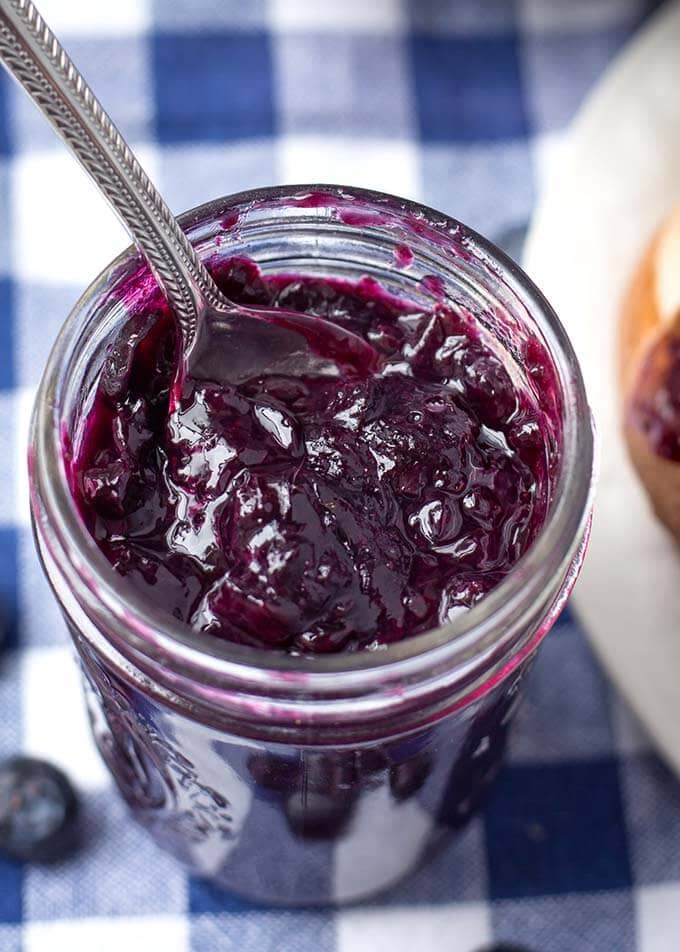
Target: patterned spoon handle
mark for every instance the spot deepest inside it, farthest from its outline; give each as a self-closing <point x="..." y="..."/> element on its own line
<point x="36" y="59"/>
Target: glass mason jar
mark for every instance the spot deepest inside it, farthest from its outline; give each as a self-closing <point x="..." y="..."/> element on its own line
<point x="325" y="779"/>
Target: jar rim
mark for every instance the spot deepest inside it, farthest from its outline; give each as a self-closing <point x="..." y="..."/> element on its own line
<point x="146" y="630"/>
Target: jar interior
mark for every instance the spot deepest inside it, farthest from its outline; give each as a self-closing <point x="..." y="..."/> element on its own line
<point x="414" y="254"/>
<point x="410" y="261"/>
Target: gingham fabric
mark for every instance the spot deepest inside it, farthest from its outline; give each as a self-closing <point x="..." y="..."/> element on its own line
<point x="460" y="104"/>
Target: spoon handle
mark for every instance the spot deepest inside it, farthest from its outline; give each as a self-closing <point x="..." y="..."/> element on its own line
<point x="33" y="55"/>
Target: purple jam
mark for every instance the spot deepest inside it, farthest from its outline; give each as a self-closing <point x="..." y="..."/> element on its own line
<point x="656" y="407"/>
<point x="318" y="514"/>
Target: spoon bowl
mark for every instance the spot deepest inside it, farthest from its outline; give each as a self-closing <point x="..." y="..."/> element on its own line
<point x="239" y="344"/>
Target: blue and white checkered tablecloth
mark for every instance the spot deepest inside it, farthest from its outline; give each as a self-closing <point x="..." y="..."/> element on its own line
<point x="458" y="103"/>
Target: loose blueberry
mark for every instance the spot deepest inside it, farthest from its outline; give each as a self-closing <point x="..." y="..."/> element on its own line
<point x="38" y="811"/>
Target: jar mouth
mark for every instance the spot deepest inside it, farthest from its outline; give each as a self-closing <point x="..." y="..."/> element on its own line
<point x="146" y="629"/>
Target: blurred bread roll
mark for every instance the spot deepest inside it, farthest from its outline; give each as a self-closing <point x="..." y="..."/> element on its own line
<point x="650" y="371"/>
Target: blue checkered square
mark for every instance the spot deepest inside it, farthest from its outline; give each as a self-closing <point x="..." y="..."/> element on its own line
<point x="6" y="218"/>
<point x="43" y="308"/>
<point x="208" y="15"/>
<point x="10" y="705"/>
<point x="9" y="416"/>
<point x="489" y="186"/>
<point x="40" y="620"/>
<point x="468" y="89"/>
<point x="225" y="169"/>
<point x="343" y="85"/>
<point x="120" y="65"/>
<point x="10" y="939"/>
<point x="7" y="320"/>
<point x="549" y="59"/>
<point x="207" y="899"/>
<point x="455" y="872"/>
<point x="601" y="922"/>
<point x="465" y="16"/>
<point x="557" y="829"/>
<point x="11" y="880"/>
<point x="263" y="869"/>
<point x="8" y="585"/>
<point x="264" y="931"/>
<point x="113" y="853"/>
<point x="652" y="799"/>
<point x="565" y="712"/>
<point x="212" y="87"/>
<point x="6" y="136"/>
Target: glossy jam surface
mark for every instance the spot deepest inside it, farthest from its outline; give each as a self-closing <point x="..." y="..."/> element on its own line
<point x="321" y="513"/>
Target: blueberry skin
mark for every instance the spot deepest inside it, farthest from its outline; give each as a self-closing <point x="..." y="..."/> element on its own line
<point x="38" y="811"/>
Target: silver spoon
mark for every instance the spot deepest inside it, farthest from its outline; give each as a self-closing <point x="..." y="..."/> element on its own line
<point x="222" y="341"/>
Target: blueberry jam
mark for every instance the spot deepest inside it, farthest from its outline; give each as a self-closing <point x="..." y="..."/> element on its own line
<point x="322" y="513"/>
<point x="655" y="409"/>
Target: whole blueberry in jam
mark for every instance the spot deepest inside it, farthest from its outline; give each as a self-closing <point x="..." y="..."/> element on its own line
<point x="324" y="513"/>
